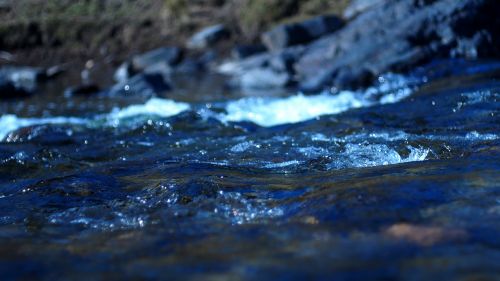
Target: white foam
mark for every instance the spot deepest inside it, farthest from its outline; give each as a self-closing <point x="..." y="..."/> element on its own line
<point x="9" y="123"/>
<point x="371" y="155"/>
<point x="298" y="108"/>
<point x="268" y="112"/>
<point x="155" y="106"/>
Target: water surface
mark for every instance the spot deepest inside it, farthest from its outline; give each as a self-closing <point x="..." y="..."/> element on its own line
<point x="397" y="181"/>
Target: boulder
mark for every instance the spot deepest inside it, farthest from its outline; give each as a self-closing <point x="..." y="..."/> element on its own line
<point x="264" y="78"/>
<point x="196" y="63"/>
<point x="10" y="91"/>
<point x="19" y="81"/>
<point x="143" y="84"/>
<point x="397" y="36"/>
<point x="357" y="7"/>
<point x="264" y="71"/>
<point x="287" y="35"/>
<point x="167" y="55"/>
<point x="207" y="37"/>
<point x="158" y="60"/>
<point x="81" y="90"/>
<point x="244" y="51"/>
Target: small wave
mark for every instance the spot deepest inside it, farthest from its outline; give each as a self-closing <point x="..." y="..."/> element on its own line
<point x="9" y="123"/>
<point x="371" y="155"/>
<point x="155" y="106"/>
<point x="298" y="108"/>
<point x="269" y="112"/>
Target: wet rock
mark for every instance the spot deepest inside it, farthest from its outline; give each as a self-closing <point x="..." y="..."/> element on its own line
<point x="264" y="71"/>
<point x="9" y="91"/>
<point x="264" y="78"/>
<point x="81" y="90"/>
<point x="287" y="35"/>
<point x="168" y="55"/>
<point x="208" y="37"/>
<point x="281" y="61"/>
<point x="357" y="7"/>
<point x="146" y="84"/>
<point x="158" y="60"/>
<point x="6" y="56"/>
<point x="123" y="72"/>
<point x="20" y="81"/>
<point x="398" y="35"/>
<point x="194" y="64"/>
<point x="244" y="51"/>
<point x="23" y="76"/>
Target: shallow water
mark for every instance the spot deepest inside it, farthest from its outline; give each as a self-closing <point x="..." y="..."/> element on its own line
<point x="397" y="181"/>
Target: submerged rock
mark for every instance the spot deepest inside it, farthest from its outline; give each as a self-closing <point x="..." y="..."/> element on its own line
<point x="208" y="37"/>
<point x="287" y="35"/>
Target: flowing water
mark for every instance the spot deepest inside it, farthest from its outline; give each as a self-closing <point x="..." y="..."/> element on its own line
<point x="397" y="181"/>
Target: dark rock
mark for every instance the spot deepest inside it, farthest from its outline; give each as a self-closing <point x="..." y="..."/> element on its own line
<point x="158" y="60"/>
<point x="6" y="56"/>
<point x="357" y="7"/>
<point x="287" y="35"/>
<point x="20" y="81"/>
<point x="168" y="55"/>
<point x="264" y="78"/>
<point x="244" y="51"/>
<point x="207" y="37"/>
<point x="123" y="72"/>
<point x="196" y="63"/>
<point x="397" y="36"/>
<point x="264" y="71"/>
<point x="280" y="61"/>
<point x="144" y="84"/>
<point x="10" y="91"/>
<point x="81" y="90"/>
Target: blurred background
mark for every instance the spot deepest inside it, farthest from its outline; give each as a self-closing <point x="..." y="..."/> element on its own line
<point x="47" y="32"/>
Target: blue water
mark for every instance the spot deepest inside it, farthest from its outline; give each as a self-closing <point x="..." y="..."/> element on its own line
<point x="397" y="181"/>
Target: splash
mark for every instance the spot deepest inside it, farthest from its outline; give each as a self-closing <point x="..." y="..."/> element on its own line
<point x="153" y="107"/>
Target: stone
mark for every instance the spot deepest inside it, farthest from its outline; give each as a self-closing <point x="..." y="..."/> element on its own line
<point x="144" y="84"/>
<point x="10" y="91"/>
<point x="167" y="55"/>
<point x="158" y="60"/>
<point x="357" y="7"/>
<point x="287" y="35"/>
<point x="81" y="90"/>
<point x="20" y="81"/>
<point x="207" y="37"/>
<point x="398" y="36"/>
<point x="264" y="78"/>
<point x="244" y="51"/>
<point x="197" y="63"/>
<point x="264" y="71"/>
